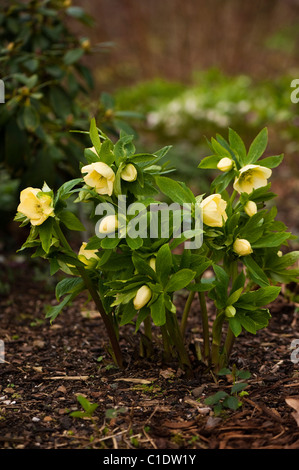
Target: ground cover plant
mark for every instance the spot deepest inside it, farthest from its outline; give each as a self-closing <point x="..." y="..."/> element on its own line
<point x="133" y="273"/>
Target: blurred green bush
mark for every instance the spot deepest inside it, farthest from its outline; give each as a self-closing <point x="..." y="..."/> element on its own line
<point x="48" y="90"/>
<point x="188" y="114"/>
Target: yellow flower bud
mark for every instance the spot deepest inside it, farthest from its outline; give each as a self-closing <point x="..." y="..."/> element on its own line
<point x="36" y="205"/>
<point x="88" y="257"/>
<point x="242" y="247"/>
<point x="85" y="44"/>
<point x="250" y="208"/>
<point x="129" y="173"/>
<point x="213" y="210"/>
<point x="225" y="164"/>
<point x="142" y="297"/>
<point x="99" y="176"/>
<point x="152" y="263"/>
<point x="280" y="253"/>
<point x="108" y="224"/>
<point x="230" y="311"/>
<point x="251" y="177"/>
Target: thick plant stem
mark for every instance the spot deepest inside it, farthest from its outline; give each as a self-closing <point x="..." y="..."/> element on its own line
<point x="96" y="298"/>
<point x="166" y="345"/>
<point x="205" y="327"/>
<point x="148" y="327"/>
<point x="107" y="322"/>
<point x="228" y="346"/>
<point x="186" y="311"/>
<point x="176" y="335"/>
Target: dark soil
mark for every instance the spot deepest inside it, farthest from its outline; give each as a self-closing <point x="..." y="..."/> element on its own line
<point x="150" y="404"/>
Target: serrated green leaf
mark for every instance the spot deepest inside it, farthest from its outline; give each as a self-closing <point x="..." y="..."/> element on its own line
<point x="71" y="221"/>
<point x="45" y="234"/>
<point x="68" y="286"/>
<point x="179" y="280"/>
<point x="158" y="311"/>
<point x="238" y="146"/>
<point x="257" y="147"/>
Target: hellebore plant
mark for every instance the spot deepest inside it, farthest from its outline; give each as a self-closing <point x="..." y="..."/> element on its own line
<point x="133" y="272"/>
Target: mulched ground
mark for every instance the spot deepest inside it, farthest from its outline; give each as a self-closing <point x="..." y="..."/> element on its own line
<point x="149" y="405"/>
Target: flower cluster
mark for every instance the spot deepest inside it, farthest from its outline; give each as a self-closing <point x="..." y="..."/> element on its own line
<point x="134" y="279"/>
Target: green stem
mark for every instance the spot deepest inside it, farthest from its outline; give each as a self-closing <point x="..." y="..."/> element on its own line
<point x="205" y="326"/>
<point x="176" y="335"/>
<point x="233" y="196"/>
<point x="96" y="298"/>
<point x="148" y="327"/>
<point x="166" y="345"/>
<point x="186" y="311"/>
<point x="228" y="346"/>
<point x="216" y="333"/>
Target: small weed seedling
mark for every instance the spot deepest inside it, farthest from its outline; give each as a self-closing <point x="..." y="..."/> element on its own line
<point x="221" y="399"/>
<point x="89" y="408"/>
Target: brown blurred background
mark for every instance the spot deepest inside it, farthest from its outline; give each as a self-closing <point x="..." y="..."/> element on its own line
<point x="172" y="39"/>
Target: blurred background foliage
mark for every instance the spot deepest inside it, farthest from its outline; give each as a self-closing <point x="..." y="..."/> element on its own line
<point x="173" y="73"/>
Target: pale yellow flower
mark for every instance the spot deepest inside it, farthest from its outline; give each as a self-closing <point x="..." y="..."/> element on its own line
<point x="129" y="173"/>
<point x="108" y="224"/>
<point x="250" y="208"/>
<point x="225" y="164"/>
<point x="280" y="253"/>
<point x="88" y="257"/>
<point x="142" y="297"/>
<point x="242" y="247"/>
<point x="36" y="205"/>
<point x="99" y="176"/>
<point x="213" y="210"/>
<point x="252" y="177"/>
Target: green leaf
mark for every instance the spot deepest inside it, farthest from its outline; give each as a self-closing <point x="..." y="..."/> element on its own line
<point x="176" y="191"/>
<point x="232" y="403"/>
<point x="221" y="182"/>
<point x="64" y="190"/>
<point x="218" y="396"/>
<point x="257" y="147"/>
<point x="234" y="296"/>
<point x="68" y="285"/>
<point x="271" y="162"/>
<point x="54" y="311"/>
<point x="45" y="234"/>
<point x="271" y="240"/>
<point x="210" y="162"/>
<point x="108" y="243"/>
<point x="124" y="148"/>
<point x="134" y="243"/>
<point x="179" y="280"/>
<point x="71" y="221"/>
<point x="260" y="297"/>
<point x="158" y="311"/>
<point x="238" y="146"/>
<point x="247" y="323"/>
<point x="255" y="272"/>
<point x="235" y="326"/>
<point x="106" y="153"/>
<point x="236" y="388"/>
<point x="31" y="118"/>
<point x="219" y="149"/>
<point x="73" y="56"/>
<point x="143" y="267"/>
<point x="163" y="263"/>
<point x="94" y="136"/>
<point x="128" y="313"/>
